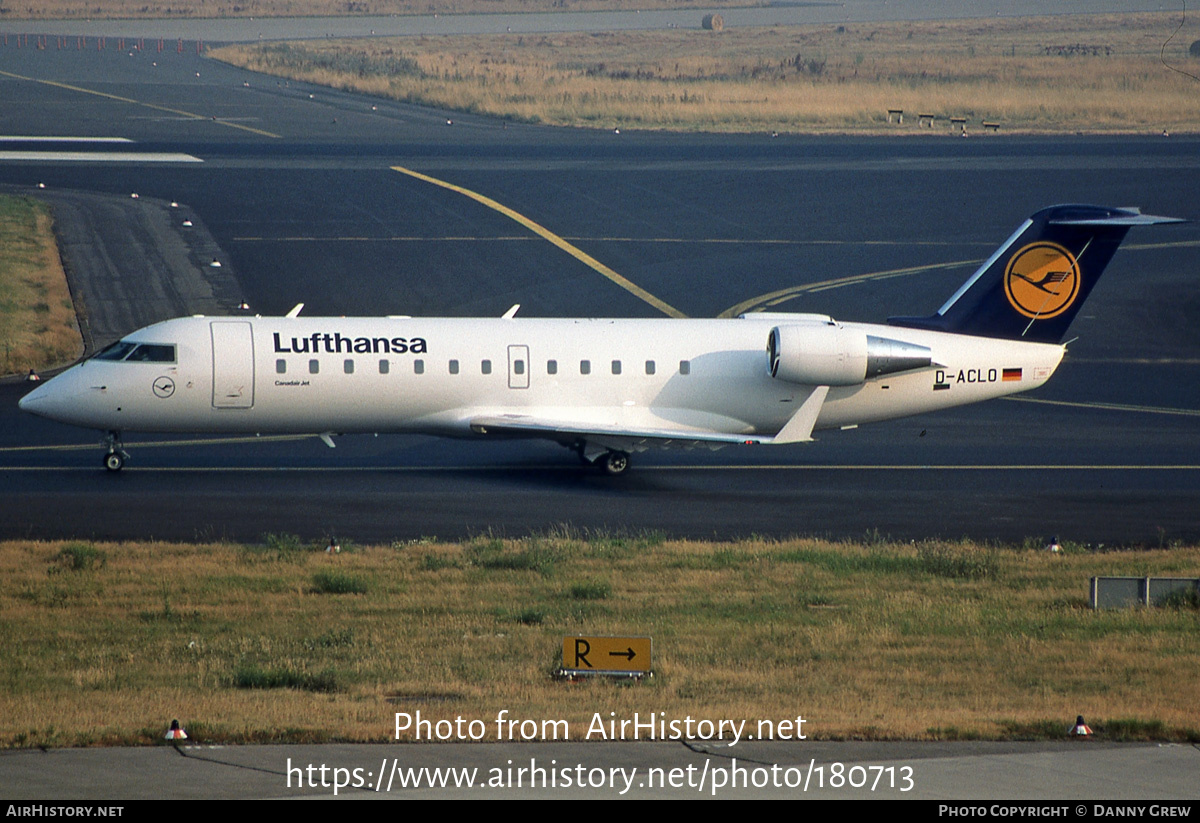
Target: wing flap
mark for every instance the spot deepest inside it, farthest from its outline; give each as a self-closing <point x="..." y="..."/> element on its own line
<point x="797" y="430"/>
<point x="567" y="431"/>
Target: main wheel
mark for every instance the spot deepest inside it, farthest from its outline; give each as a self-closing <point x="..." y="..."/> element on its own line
<point x="614" y="463"/>
<point x="114" y="461"/>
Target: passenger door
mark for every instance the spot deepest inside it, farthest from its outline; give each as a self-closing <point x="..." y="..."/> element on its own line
<point x="518" y="367"/>
<point x="233" y="364"/>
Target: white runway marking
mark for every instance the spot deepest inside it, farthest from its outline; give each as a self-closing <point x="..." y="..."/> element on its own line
<point x="18" y="138"/>
<point x="99" y="157"/>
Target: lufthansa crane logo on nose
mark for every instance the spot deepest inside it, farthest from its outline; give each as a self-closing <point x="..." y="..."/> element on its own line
<point x="164" y="387"/>
<point x="1042" y="280"/>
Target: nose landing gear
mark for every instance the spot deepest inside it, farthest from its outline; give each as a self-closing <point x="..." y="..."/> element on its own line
<point x="114" y="461"/>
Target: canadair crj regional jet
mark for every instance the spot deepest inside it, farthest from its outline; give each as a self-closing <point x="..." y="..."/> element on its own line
<point x="604" y="388"/>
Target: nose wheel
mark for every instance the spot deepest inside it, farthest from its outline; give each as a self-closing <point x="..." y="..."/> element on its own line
<point x="114" y="461"/>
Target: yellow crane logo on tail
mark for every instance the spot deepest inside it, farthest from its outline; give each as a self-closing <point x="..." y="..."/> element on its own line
<point x="1042" y="280"/>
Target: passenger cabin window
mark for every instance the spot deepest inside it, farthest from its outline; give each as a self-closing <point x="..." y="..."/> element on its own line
<point x="616" y="367"/>
<point x="348" y="367"/>
<point x="314" y="366"/>
<point x="486" y="367"/>
<point x="454" y="367"/>
<point x="418" y="367"/>
<point x="518" y="367"/>
<point x="649" y="367"/>
<point x="384" y="366"/>
<point x="281" y="366"/>
<point x="585" y="366"/>
<point x="551" y="367"/>
<point x="685" y="366"/>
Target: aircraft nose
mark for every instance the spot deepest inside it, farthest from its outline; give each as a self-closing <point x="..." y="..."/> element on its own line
<point x="30" y="401"/>
<point x="44" y="401"/>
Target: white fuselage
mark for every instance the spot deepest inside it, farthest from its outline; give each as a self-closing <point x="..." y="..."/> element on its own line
<point x="430" y="375"/>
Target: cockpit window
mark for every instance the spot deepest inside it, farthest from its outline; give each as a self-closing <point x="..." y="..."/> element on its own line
<point x="138" y="352"/>
<point x="116" y="351"/>
<point x="152" y="353"/>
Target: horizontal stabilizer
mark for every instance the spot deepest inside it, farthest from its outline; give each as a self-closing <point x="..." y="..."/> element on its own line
<point x="1125" y="217"/>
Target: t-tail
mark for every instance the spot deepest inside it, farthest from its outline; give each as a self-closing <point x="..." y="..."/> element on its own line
<point x="1034" y="285"/>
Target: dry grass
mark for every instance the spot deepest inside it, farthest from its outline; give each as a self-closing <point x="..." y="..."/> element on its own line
<point x="800" y="79"/>
<point x="37" y="319"/>
<point x="176" y="9"/>
<point x="877" y="641"/>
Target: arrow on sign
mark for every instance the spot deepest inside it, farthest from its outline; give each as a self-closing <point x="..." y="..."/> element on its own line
<point x="627" y="654"/>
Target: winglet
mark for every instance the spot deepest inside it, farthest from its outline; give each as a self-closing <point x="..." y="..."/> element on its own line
<point x="295" y="312"/>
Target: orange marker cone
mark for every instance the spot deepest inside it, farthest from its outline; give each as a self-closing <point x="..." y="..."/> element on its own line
<point x="1080" y="729"/>
<point x="175" y="732"/>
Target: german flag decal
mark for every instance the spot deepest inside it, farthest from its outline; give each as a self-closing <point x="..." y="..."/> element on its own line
<point x="1011" y="374"/>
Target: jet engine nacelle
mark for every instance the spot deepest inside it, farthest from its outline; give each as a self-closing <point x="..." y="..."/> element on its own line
<point x="829" y="354"/>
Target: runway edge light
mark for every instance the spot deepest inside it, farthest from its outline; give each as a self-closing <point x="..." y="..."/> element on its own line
<point x="1080" y="729"/>
<point x="176" y="732"/>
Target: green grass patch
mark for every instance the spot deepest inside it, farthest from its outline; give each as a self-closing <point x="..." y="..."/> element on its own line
<point x="254" y="677"/>
<point x="1181" y="599"/>
<point x="436" y="562"/>
<point x="276" y="548"/>
<point x="590" y="590"/>
<point x="530" y="617"/>
<point x="79" y="557"/>
<point x="957" y="562"/>
<point x="338" y="583"/>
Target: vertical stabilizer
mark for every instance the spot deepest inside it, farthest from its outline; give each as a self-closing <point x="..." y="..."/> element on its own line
<point x="1032" y="287"/>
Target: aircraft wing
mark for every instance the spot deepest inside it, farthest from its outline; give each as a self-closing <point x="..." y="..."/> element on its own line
<point x="610" y="436"/>
<point x="639" y="438"/>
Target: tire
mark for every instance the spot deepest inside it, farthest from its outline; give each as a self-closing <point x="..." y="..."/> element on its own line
<point x="614" y="463"/>
<point x="114" y="462"/>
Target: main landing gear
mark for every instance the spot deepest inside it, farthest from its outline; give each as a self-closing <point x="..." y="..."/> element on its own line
<point x="610" y="461"/>
<point x="114" y="461"/>
<point x="613" y="463"/>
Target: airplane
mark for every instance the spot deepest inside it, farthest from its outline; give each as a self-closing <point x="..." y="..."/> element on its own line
<point x="605" y="388"/>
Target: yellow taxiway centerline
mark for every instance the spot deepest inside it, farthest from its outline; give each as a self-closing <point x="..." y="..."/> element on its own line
<point x="546" y="234"/>
<point x="774" y="298"/>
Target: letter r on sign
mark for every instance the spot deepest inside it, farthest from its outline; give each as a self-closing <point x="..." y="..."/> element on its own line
<point x="582" y="647"/>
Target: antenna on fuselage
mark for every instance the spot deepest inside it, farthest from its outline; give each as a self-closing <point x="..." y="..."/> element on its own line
<point x="295" y="312"/>
<point x="511" y="313"/>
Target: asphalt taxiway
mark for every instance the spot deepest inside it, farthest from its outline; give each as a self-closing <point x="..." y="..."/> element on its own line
<point x="1075" y="774"/>
<point x="298" y="193"/>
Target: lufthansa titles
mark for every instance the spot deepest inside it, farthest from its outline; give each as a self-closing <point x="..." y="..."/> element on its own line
<point x="335" y="343"/>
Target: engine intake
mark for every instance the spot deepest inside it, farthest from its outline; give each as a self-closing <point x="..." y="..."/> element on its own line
<point x="829" y="354"/>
